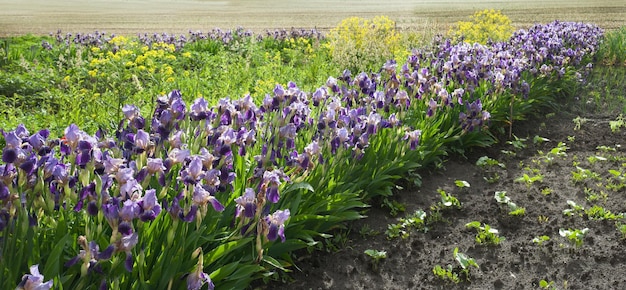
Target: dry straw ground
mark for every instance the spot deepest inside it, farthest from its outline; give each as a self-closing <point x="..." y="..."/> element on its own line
<point x="19" y="17"/>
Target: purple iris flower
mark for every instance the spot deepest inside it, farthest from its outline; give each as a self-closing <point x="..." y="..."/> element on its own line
<point x="12" y="140"/>
<point x="178" y="155"/>
<point x="178" y="105"/>
<point x="112" y="165"/>
<point x="125" y="174"/>
<point x="38" y="140"/>
<point x="142" y="140"/>
<point x="432" y="107"/>
<point x="271" y="180"/>
<point x="199" y="109"/>
<point x="155" y="165"/>
<point x="34" y="280"/>
<point x="9" y="155"/>
<point x="111" y="211"/>
<point x="126" y="244"/>
<point x="207" y="158"/>
<point x="130" y="112"/>
<point x="4" y="191"/>
<point x="12" y="147"/>
<point x="131" y="189"/>
<point x="246" y="204"/>
<point x="279" y="92"/>
<point x="90" y="254"/>
<point x="413" y="137"/>
<point x="276" y="224"/>
<point x="202" y="197"/>
<point x="175" y="140"/>
<point x="150" y="207"/>
<point x="198" y="278"/>
<point x="213" y="177"/>
<point x="130" y="210"/>
<point x="72" y="136"/>
<point x="194" y="171"/>
<point x="318" y="96"/>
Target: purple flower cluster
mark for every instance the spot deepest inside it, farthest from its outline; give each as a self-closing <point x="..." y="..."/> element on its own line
<point x="293" y="33"/>
<point x="226" y="37"/>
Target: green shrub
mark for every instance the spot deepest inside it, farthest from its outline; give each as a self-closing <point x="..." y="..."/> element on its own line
<point x="485" y="25"/>
<point x="359" y="44"/>
<point x="612" y="51"/>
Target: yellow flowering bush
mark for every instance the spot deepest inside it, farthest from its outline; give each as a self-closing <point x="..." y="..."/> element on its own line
<point x="359" y="44"/>
<point x="484" y="25"/>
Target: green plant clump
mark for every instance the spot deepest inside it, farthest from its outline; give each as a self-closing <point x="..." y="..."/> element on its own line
<point x="486" y="234"/>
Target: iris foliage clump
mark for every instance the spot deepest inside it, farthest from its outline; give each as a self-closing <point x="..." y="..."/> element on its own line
<point x="218" y="191"/>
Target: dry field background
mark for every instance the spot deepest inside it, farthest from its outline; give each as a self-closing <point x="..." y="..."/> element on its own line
<point x="40" y="17"/>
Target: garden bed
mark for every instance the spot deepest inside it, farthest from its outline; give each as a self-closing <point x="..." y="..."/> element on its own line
<point x="517" y="262"/>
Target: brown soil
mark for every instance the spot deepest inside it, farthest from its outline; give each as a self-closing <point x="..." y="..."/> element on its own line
<point x="517" y="262"/>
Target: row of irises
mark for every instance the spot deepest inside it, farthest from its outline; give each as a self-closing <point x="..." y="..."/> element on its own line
<point x="221" y="196"/>
<point x="226" y="37"/>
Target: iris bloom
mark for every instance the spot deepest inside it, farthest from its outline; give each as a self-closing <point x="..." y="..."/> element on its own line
<point x="413" y="137"/>
<point x="202" y="197"/>
<point x="276" y="224"/>
<point x="271" y="179"/>
<point x="246" y="204"/>
<point x="34" y="280"/>
<point x="150" y="207"/>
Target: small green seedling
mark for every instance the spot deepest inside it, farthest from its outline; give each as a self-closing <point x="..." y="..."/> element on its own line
<point x="518" y="143"/>
<point x="606" y="149"/>
<point x="558" y="151"/>
<point x="539" y="139"/>
<point x="592" y="195"/>
<point x="575" y="236"/>
<point x="622" y="229"/>
<point x="543" y="284"/>
<point x="486" y="162"/>
<point x="617" y="181"/>
<point x="402" y="229"/>
<point x="376" y="256"/>
<point x="593" y="159"/>
<point x="446" y="274"/>
<point x="514" y="210"/>
<point x="465" y="262"/>
<point x="453" y="274"/>
<point x="508" y="153"/>
<point x="461" y="183"/>
<point x="486" y="234"/>
<point x="447" y="200"/>
<point x="367" y="231"/>
<point x="539" y="240"/>
<point x="617" y="124"/>
<point x="578" y="122"/>
<point x="582" y="174"/>
<point x="394" y="206"/>
<point x="597" y="212"/>
<point x="574" y="208"/>
<point x="530" y="180"/>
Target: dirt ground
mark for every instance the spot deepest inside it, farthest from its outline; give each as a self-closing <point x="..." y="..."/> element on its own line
<point x="517" y="262"/>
